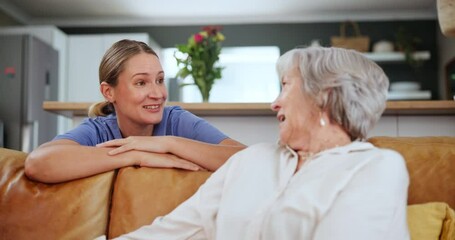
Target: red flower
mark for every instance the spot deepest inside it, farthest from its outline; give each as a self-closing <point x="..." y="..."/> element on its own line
<point x="211" y="30"/>
<point x="198" y="38"/>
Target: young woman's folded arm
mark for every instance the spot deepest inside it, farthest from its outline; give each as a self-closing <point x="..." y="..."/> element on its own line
<point x="64" y="160"/>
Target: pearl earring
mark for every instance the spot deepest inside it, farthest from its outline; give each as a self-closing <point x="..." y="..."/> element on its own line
<point x="321" y="120"/>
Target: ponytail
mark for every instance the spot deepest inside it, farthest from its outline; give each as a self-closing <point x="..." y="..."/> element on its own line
<point x="103" y="108"/>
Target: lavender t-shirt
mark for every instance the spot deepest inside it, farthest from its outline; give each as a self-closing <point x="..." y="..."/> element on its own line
<point x="175" y="122"/>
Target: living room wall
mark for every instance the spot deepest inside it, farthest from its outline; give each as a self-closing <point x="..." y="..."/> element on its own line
<point x="291" y="35"/>
<point x="6" y="20"/>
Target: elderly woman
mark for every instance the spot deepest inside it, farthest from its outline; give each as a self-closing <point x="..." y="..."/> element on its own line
<point x="322" y="181"/>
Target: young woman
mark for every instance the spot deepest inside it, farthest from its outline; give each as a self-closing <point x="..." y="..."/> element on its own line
<point x="132" y="127"/>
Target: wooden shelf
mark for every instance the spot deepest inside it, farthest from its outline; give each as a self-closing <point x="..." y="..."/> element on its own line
<point x="80" y="109"/>
<point x="444" y="107"/>
<point x="396" y="56"/>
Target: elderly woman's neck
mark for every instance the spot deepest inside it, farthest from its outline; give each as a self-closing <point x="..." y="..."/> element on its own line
<point x="326" y="138"/>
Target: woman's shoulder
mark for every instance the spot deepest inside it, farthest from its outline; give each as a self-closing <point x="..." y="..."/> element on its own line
<point x="100" y="123"/>
<point x="261" y="152"/>
<point x="378" y="154"/>
<point x="263" y="147"/>
<point x="257" y="159"/>
<point x="173" y="109"/>
<point x="176" y="112"/>
<point x="387" y="156"/>
<point x="101" y="119"/>
<point x="92" y="131"/>
<point x="364" y="156"/>
<point x="388" y="161"/>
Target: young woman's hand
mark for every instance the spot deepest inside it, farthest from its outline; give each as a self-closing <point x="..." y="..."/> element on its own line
<point x="162" y="160"/>
<point x="141" y="143"/>
<point x="209" y="156"/>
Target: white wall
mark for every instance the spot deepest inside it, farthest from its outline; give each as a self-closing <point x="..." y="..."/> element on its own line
<point x="84" y="57"/>
<point x="254" y="129"/>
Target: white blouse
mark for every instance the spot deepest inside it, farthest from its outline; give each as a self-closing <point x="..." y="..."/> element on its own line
<point x="351" y="192"/>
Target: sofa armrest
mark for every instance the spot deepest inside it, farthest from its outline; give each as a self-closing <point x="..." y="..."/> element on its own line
<point x="142" y="194"/>
<point x="31" y="210"/>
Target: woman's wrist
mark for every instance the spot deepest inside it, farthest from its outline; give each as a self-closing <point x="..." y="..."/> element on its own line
<point x="171" y="144"/>
<point x="130" y="158"/>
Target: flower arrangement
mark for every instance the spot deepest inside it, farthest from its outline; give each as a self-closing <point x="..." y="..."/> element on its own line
<point x="201" y="53"/>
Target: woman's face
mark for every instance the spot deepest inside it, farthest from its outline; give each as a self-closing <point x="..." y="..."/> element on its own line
<point x="140" y="94"/>
<point x="297" y="113"/>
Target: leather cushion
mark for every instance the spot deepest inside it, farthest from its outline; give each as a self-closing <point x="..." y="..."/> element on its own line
<point x="142" y="194"/>
<point x="32" y="210"/>
<point x="431" y="165"/>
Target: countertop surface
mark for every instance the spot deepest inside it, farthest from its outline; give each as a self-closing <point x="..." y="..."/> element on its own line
<point x="80" y="109"/>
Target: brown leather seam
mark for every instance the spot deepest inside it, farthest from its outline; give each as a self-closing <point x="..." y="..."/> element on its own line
<point x="111" y="200"/>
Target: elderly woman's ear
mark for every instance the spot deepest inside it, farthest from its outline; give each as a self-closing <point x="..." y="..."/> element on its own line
<point x="324" y="98"/>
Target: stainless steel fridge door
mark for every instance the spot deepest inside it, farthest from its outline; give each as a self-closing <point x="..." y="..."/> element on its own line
<point x="11" y="89"/>
<point x="29" y="76"/>
<point x="2" y="139"/>
<point x="41" y="78"/>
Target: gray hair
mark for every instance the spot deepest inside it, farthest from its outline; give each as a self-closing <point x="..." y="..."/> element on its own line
<point x="347" y="84"/>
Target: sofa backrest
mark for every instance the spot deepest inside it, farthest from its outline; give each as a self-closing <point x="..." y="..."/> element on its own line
<point x="142" y="194"/>
<point x="431" y="165"/>
<point x="32" y="210"/>
<point x="114" y="204"/>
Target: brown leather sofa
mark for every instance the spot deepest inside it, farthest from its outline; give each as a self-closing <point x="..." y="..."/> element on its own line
<point x="116" y="202"/>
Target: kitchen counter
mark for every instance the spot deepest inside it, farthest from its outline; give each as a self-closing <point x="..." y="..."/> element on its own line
<point x="79" y="109"/>
<point x="251" y="123"/>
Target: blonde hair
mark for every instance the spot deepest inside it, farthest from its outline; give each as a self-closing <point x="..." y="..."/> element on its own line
<point x="112" y="65"/>
<point x="352" y="87"/>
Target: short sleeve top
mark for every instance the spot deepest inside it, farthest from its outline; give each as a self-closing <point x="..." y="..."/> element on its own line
<point x="175" y="122"/>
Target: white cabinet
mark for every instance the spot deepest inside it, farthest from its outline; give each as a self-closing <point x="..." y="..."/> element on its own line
<point x="396" y="56"/>
<point x="84" y="56"/>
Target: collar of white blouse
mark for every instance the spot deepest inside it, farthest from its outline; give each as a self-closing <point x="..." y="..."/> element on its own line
<point x="305" y="157"/>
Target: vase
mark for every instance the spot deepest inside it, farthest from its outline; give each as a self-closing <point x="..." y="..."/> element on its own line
<point x="204" y="85"/>
<point x="205" y="96"/>
<point x="205" y="93"/>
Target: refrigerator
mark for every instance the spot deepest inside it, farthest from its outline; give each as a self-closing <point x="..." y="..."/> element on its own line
<point x="29" y="76"/>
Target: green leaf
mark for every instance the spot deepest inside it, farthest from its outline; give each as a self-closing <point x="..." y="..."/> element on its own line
<point x="183" y="73"/>
<point x="186" y="84"/>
